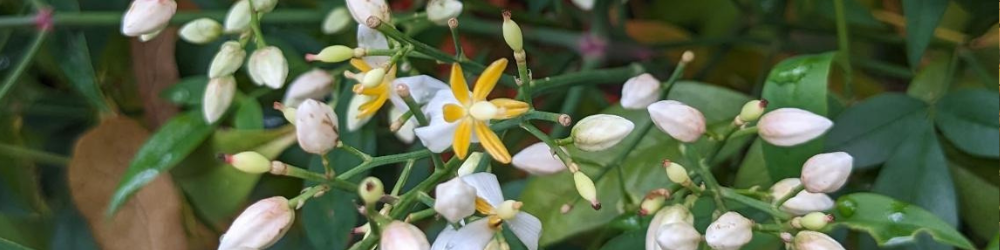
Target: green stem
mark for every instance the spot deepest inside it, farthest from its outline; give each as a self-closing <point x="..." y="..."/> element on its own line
<point x="795" y="191"/>
<point x="383" y="160"/>
<point x="426" y="199"/>
<point x="354" y="151"/>
<point x="420" y="215"/>
<point x="381" y="52"/>
<point x="600" y="76"/>
<point x="753" y="203"/>
<point x="34" y="155"/>
<point x="403" y="177"/>
<point x="255" y="26"/>
<point x="297" y="172"/>
<point x="843" y="42"/>
<point x="459" y="53"/>
<point x="307" y="194"/>
<point x="22" y="65"/>
<point x="548" y="141"/>
<point x="422" y="121"/>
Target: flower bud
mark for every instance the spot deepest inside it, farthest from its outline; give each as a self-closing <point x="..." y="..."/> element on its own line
<point x="218" y="96"/>
<point x="286" y="111"/>
<point x="404" y="131"/>
<point x="678" y="236"/>
<point x="455" y="199"/>
<point x="267" y="66"/>
<point x="640" y="91"/>
<point x="332" y="54"/>
<point x="680" y="121"/>
<point x="512" y="33"/>
<point x="264" y="6"/>
<point x="470" y="164"/>
<point x="508" y="209"/>
<point x="811" y="240"/>
<point x="260" y="225"/>
<point x="585" y="186"/>
<point x="439" y="11"/>
<point x="826" y="173"/>
<point x="238" y="17"/>
<point x="373" y="77"/>
<point x="314" y="84"/>
<point x="791" y="126"/>
<point x="752" y="110"/>
<point x="802" y="203"/>
<point x="538" y="159"/>
<point x="653" y="201"/>
<point x="227" y="60"/>
<point x="147" y="16"/>
<point x="316" y="127"/>
<point x="201" y="31"/>
<point x="730" y="232"/>
<point x="403" y="236"/>
<point x="336" y="21"/>
<point x="362" y="9"/>
<point x="249" y="162"/>
<point x="584" y="4"/>
<point x="354" y="119"/>
<point x="678" y="214"/>
<point x="677" y="173"/>
<point x="600" y="132"/>
<point x="815" y="220"/>
<point x="371" y="190"/>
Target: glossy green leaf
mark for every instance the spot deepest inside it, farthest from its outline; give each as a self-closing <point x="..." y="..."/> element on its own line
<point x="922" y="18"/>
<point x="977" y="197"/>
<point x="798" y="82"/>
<point x="24" y="231"/>
<point x="931" y="83"/>
<point x="74" y="61"/>
<point x="856" y="13"/>
<point x="187" y="92"/>
<point x="635" y="239"/>
<point x="968" y="118"/>
<point x="994" y="244"/>
<point x="870" y="131"/>
<point x="249" y="114"/>
<point x="10" y="245"/>
<point x="753" y="171"/>
<point x="544" y="195"/>
<point x="171" y="144"/>
<point x="892" y="222"/>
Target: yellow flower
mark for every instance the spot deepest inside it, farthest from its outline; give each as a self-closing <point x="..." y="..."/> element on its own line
<point x="379" y="93"/>
<point x="474" y="112"/>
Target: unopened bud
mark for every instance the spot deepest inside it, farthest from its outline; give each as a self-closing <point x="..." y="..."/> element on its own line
<point x="361" y="10"/>
<point x="249" y="162"/>
<point x="687" y="56"/>
<point x="512" y="33"/>
<point x="264" y="6"/>
<point x="729" y="232"/>
<point x="815" y="220"/>
<point x="470" y="164"/>
<point x="332" y="54"/>
<point x="314" y="84"/>
<point x="316" y="127"/>
<point x="640" y="91"/>
<point x="399" y="235"/>
<point x="678" y="236"/>
<point x="238" y="17"/>
<point x="227" y="60"/>
<point x="585" y="186"/>
<point x="565" y="208"/>
<point x="260" y="225"/>
<point x="538" y="159"/>
<point x="600" y="132"/>
<point x="336" y="21"/>
<point x="373" y="78"/>
<point x="455" y="200"/>
<point x="802" y="203"/>
<point x="286" y="111"/>
<point x="811" y="240"/>
<point x="682" y="122"/>
<point x="752" y="110"/>
<point x="791" y="126"/>
<point x="508" y="209"/>
<point x="677" y="173"/>
<point x="675" y="214"/>
<point x="653" y="201"/>
<point x="440" y="11"/>
<point x="201" y="31"/>
<point x="371" y="190"/>
<point x="147" y="16"/>
<point x="267" y="66"/>
<point x="826" y="173"/>
<point x="218" y="96"/>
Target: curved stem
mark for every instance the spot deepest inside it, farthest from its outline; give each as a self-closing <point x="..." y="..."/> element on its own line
<point x="22" y="65"/>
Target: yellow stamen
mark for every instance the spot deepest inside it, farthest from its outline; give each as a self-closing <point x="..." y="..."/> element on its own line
<point x="463" y="136"/>
<point x="484" y="207"/>
<point x="369" y="108"/>
<point x="492" y="143"/>
<point x="459" y="87"/>
<point x="488" y="80"/>
<point x="509" y="108"/>
<point x="453" y="112"/>
<point x="495" y="222"/>
<point x="360" y="65"/>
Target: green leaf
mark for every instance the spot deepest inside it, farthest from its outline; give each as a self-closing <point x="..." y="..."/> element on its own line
<point x="20" y="192"/>
<point x="187" y="92"/>
<point x="978" y="198"/>
<point x="994" y="244"/>
<point x="249" y="114"/>
<point x="968" y="118"/>
<point x="798" y="82"/>
<point x="544" y="195"/>
<point x="635" y="239"/>
<point x="922" y="18"/>
<point x="171" y="144"/>
<point x="931" y="83"/>
<point x="753" y="171"/>
<point x="892" y="222"/>
<point x="870" y="131"/>
<point x="75" y="62"/>
<point x="10" y="245"/>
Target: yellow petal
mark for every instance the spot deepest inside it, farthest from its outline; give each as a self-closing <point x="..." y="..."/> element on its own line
<point x="453" y="112"/>
<point x="459" y="87"/>
<point x="360" y="65"/>
<point x="492" y="143"/>
<point x="360" y="89"/>
<point x="510" y="108"/>
<point x="484" y="207"/>
<point x="463" y="136"/>
<point x="369" y="108"/>
<point x="488" y="80"/>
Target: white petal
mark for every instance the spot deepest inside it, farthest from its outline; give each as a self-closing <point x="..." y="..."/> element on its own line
<point x="437" y="136"/>
<point x="405" y="132"/>
<point x="423" y="89"/>
<point x="487" y="187"/>
<point x="527" y="228"/>
<point x="353" y="122"/>
<point x="314" y="84"/>
<point x="362" y="9"/>
<point x="473" y="236"/>
<point x="538" y="159"/>
<point x="372" y="39"/>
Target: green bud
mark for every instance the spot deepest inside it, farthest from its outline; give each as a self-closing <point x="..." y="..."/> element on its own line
<point x="336" y="21"/>
<point x="585" y="186"/>
<point x="249" y="162"/>
<point x="373" y="77"/>
<point x="815" y="221"/>
<point x="371" y="190"/>
<point x="676" y="173"/>
<point x="512" y="33"/>
<point x="752" y="110"/>
<point x="332" y="54"/>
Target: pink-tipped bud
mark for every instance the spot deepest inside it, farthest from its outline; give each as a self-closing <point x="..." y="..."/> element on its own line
<point x="811" y="240"/>
<point x="147" y="16"/>
<point x="640" y="91"/>
<point x="826" y="173"/>
<point x="249" y="162"/>
<point x="680" y="121"/>
<point x="260" y="225"/>
<point x="791" y="126"/>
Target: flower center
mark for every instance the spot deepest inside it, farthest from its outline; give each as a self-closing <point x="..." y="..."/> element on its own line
<point x="508" y="209"/>
<point x="483" y="110"/>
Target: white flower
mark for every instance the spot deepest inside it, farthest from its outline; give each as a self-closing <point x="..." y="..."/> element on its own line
<point x="678" y="236"/>
<point x="227" y="60"/>
<point x="422" y="88"/>
<point x="336" y="21"/>
<point x="264" y="6"/>
<point x="600" y="132"/>
<point x="477" y="234"/>
<point x="811" y="240"/>
<point x="791" y="126"/>
<point x="315" y="84"/>
<point x="730" y="232"/>
<point x="826" y="173"/>
<point x="260" y="225"/>
<point x="405" y="131"/>
<point x="268" y="66"/>
<point x="201" y="31"/>
<point x="403" y="236"/>
<point x="640" y="91"/>
<point x="439" y="134"/>
<point x="439" y="11"/>
<point x="362" y="9"/>
<point x="584" y="4"/>
<point x="455" y="200"/>
<point x="538" y="159"/>
<point x="218" y="96"/>
<point x="147" y="16"/>
<point x="316" y="127"/>
<point x="372" y="39"/>
<point x="680" y="121"/>
<point x="668" y="215"/>
<point x="354" y="120"/>
<point x="238" y="17"/>
<point x="802" y="203"/>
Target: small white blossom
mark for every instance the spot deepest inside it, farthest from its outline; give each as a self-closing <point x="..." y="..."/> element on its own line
<point x="259" y="226"/>
<point x="316" y="127"/>
<point x="227" y="60"/>
<point x="218" y="96"/>
<point x="268" y="66"/>
<point x="238" y="17"/>
<point x="600" y="132"/>
<point x="455" y="200"/>
<point x="477" y="234"/>
<point x="538" y="159"/>
<point x="362" y="9"/>
<point x="680" y="121"/>
<point x="147" y="16"/>
<point x="811" y="240"/>
<point x="729" y="232"/>
<point x="791" y="126"/>
<point x="201" y="31"/>
<point x="826" y="173"/>
<point x="640" y="91"/>
<point x="399" y="235"/>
